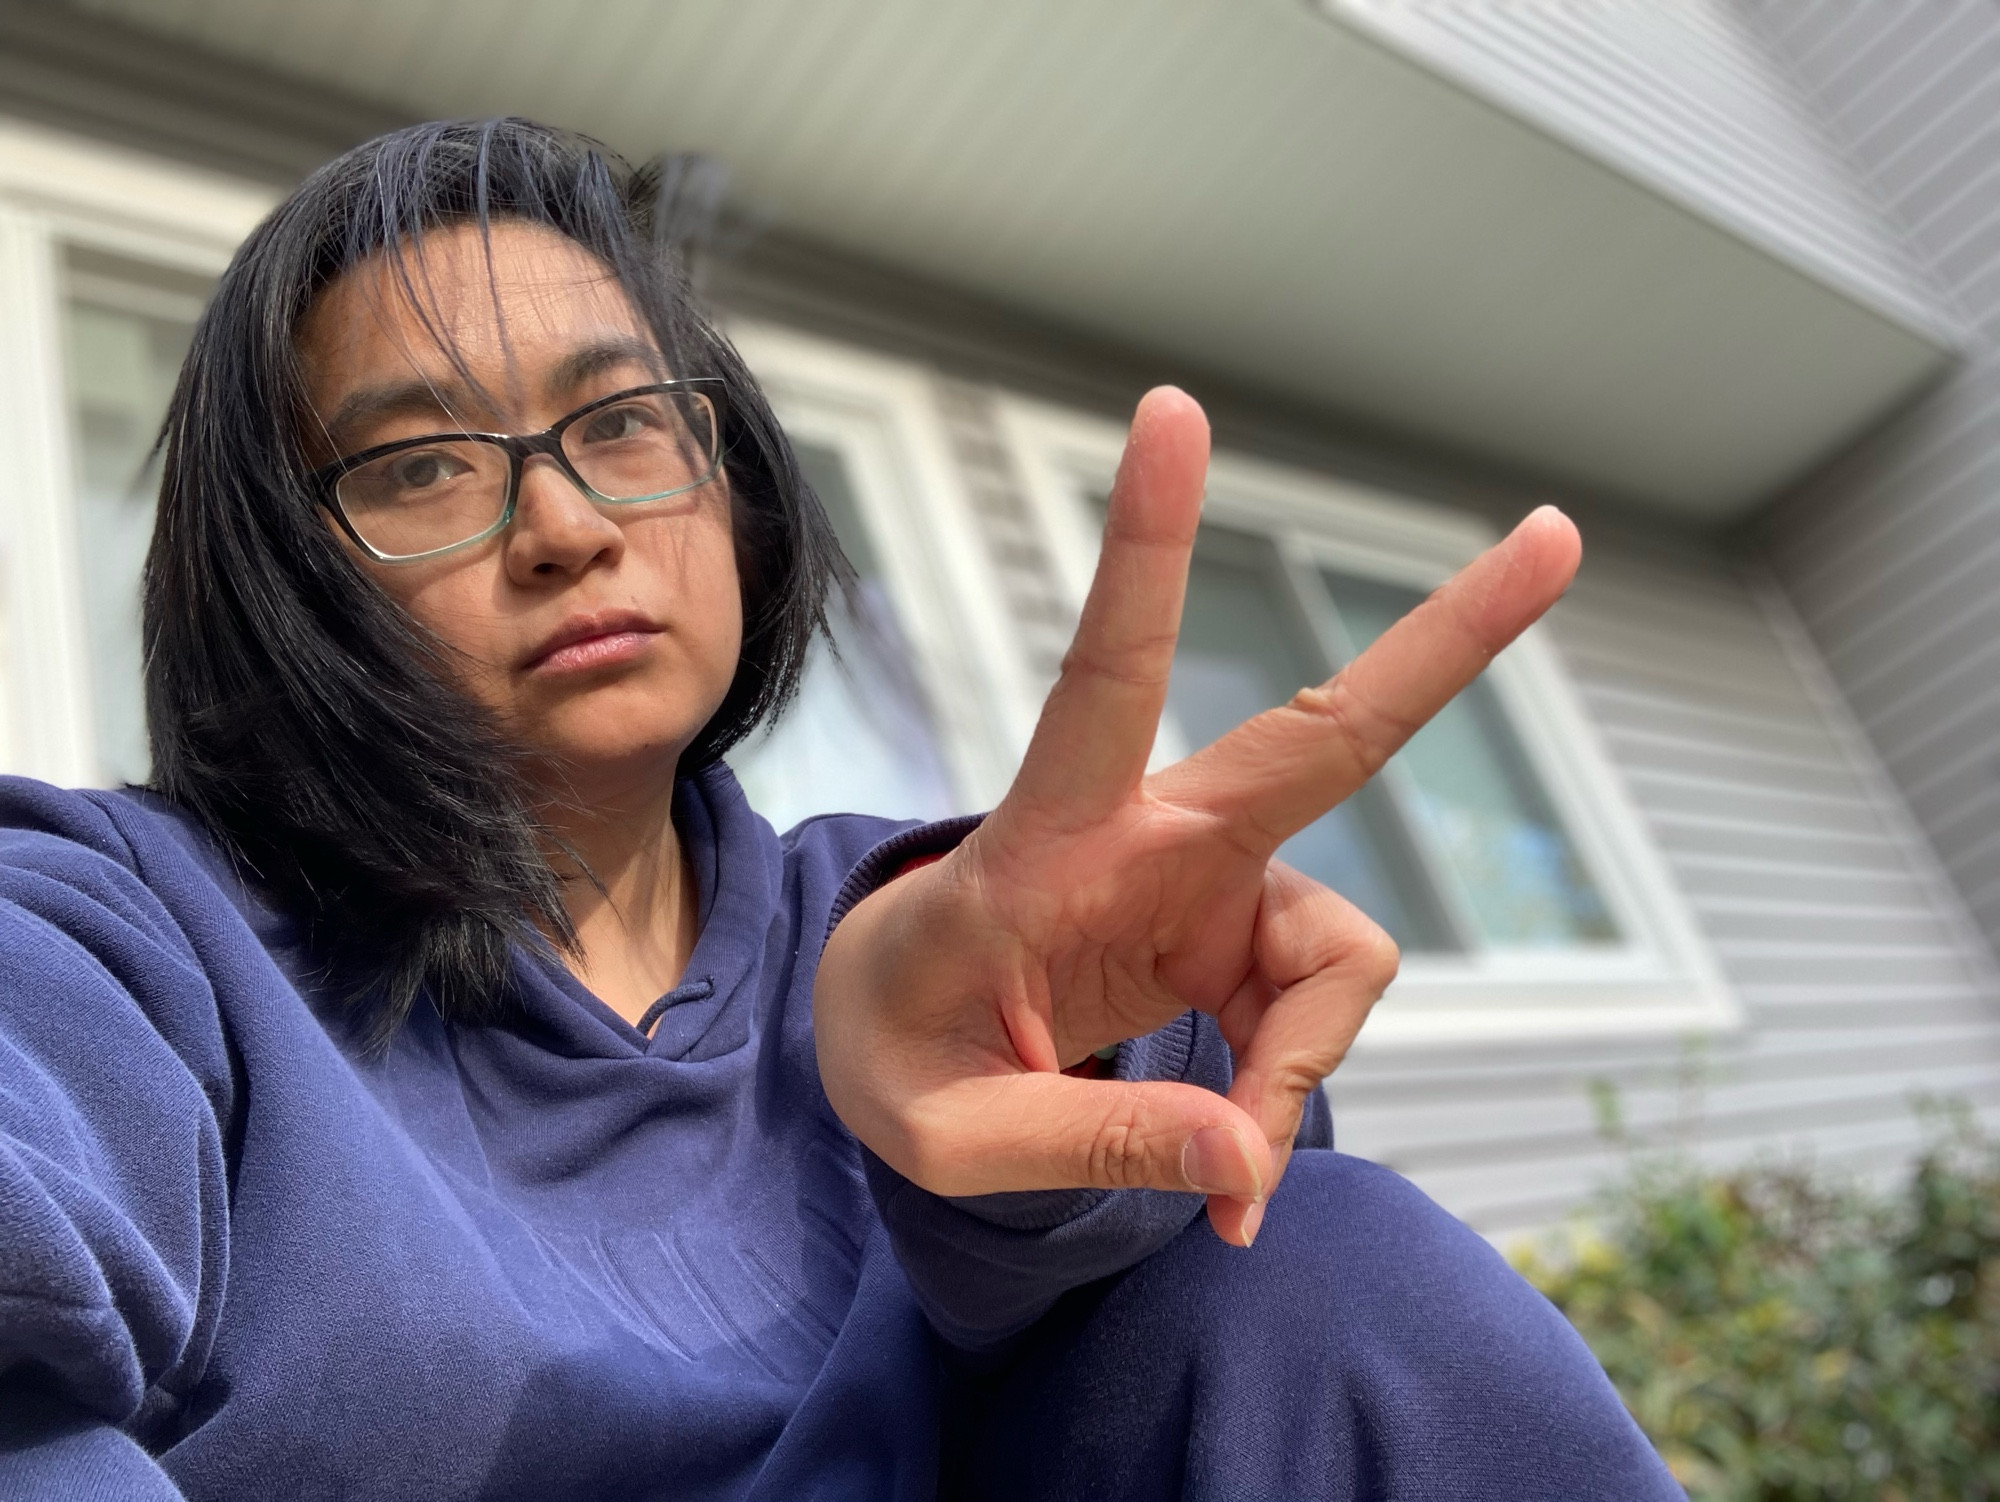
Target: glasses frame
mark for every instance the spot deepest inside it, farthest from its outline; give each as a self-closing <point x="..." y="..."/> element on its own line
<point x="519" y="448"/>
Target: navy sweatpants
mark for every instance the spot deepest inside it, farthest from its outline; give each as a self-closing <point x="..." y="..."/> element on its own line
<point x="1368" y="1346"/>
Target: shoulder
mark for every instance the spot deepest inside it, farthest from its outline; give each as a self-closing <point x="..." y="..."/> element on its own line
<point x="841" y="839"/>
<point x="112" y="936"/>
<point x="80" y="834"/>
<point x="66" y="815"/>
<point x="121" y="872"/>
<point x="59" y="846"/>
<point x="824" y="864"/>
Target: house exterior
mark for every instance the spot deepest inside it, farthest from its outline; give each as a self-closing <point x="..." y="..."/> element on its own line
<point x="1722" y="837"/>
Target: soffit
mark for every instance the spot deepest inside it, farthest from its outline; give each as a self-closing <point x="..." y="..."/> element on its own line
<point x="1237" y="184"/>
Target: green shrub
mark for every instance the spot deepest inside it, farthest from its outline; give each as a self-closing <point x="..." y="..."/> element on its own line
<point x="1782" y="1335"/>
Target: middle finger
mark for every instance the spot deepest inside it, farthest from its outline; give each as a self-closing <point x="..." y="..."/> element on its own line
<point x="1276" y="773"/>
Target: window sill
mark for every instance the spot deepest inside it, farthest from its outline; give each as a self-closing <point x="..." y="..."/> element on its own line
<point x="1439" y="1006"/>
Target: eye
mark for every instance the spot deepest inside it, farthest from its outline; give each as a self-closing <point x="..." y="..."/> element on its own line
<point x="425" y="469"/>
<point x="621" y="423"/>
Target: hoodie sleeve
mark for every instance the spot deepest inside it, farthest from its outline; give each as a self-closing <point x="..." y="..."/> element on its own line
<point x="986" y="1267"/>
<point x="113" y="1198"/>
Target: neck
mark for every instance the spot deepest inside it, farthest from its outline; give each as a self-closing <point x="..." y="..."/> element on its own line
<point x="637" y="923"/>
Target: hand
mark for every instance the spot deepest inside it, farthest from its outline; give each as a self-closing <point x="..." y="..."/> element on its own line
<point x="1097" y="903"/>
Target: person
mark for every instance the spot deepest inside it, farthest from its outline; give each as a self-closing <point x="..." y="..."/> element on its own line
<point x="440" y="1083"/>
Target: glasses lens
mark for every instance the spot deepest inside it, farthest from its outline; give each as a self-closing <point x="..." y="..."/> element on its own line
<point x="647" y="445"/>
<point x="420" y="499"/>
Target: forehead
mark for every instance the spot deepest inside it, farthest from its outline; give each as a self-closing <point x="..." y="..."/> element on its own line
<point x="508" y="297"/>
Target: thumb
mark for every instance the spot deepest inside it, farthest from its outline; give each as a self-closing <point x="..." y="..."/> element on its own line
<point x="1051" y="1131"/>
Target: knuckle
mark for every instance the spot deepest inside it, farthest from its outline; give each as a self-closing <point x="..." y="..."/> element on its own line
<point x="1333" y="934"/>
<point x="1119" y="1151"/>
<point x="1295" y="1079"/>
<point x="1364" y="731"/>
<point x="1134" y="661"/>
<point x="1381" y="958"/>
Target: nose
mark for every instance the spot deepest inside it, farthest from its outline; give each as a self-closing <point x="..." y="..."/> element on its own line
<point x="556" y="530"/>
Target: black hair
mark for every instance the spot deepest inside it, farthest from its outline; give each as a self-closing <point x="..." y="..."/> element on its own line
<point x="305" y="719"/>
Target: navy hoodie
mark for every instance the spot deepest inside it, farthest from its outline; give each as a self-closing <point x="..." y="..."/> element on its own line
<point x="547" y="1256"/>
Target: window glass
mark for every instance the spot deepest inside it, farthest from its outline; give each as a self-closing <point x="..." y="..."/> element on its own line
<point x="861" y="737"/>
<point x="126" y="329"/>
<point x="1245" y="648"/>
<point x="1482" y="803"/>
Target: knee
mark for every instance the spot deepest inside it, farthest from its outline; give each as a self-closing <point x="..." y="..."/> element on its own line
<point x="1383" y="1263"/>
<point x="1366" y="1335"/>
<point x="1351" y="1260"/>
<point x="1356" y="1268"/>
<point x="1421" y="1328"/>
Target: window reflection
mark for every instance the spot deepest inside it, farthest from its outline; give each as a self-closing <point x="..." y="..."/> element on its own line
<point x="1244" y="648"/>
<point x="1482" y="803"/>
<point x="861" y="737"/>
<point x="1466" y="850"/>
<point x="126" y="329"/>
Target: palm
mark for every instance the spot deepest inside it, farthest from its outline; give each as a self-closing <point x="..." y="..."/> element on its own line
<point x="1097" y="903"/>
<point x="1127" y="924"/>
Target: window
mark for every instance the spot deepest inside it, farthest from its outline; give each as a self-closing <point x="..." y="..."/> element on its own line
<point x="1498" y="847"/>
<point x="126" y="326"/>
<point x="1457" y="847"/>
<point x="105" y="260"/>
<point x="862" y="736"/>
<point x="921" y="711"/>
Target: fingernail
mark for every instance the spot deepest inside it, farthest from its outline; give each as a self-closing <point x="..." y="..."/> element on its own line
<point x="1252" y="1219"/>
<point x="1216" y="1160"/>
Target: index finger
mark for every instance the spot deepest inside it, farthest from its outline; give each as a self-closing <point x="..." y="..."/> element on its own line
<point x="1276" y="773"/>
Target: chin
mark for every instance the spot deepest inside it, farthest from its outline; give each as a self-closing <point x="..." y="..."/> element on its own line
<point x="623" y="735"/>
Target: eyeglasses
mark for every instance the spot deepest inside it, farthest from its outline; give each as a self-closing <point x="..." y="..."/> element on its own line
<point x="421" y="497"/>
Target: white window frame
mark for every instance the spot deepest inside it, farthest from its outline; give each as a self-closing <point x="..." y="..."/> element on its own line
<point x="57" y="191"/>
<point x="882" y="416"/>
<point x="1663" y="979"/>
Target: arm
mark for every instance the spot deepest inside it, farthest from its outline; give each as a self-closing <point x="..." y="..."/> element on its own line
<point x="113" y="1199"/>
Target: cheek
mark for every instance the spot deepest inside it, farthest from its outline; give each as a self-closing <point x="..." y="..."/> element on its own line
<point x="693" y="559"/>
<point x="457" y="603"/>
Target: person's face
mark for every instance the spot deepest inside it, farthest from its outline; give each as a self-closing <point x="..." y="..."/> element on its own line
<point x="602" y="640"/>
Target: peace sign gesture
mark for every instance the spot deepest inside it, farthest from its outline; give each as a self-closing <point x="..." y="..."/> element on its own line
<point x="1097" y="903"/>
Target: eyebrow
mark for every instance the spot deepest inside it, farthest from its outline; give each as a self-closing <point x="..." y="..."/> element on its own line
<point x="371" y="404"/>
<point x="605" y="354"/>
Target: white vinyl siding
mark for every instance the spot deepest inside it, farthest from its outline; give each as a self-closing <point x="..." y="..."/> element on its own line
<point x="1860" y="982"/>
<point x="1892" y="554"/>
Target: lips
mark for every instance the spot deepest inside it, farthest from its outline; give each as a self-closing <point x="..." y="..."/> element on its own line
<point x="589" y="641"/>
